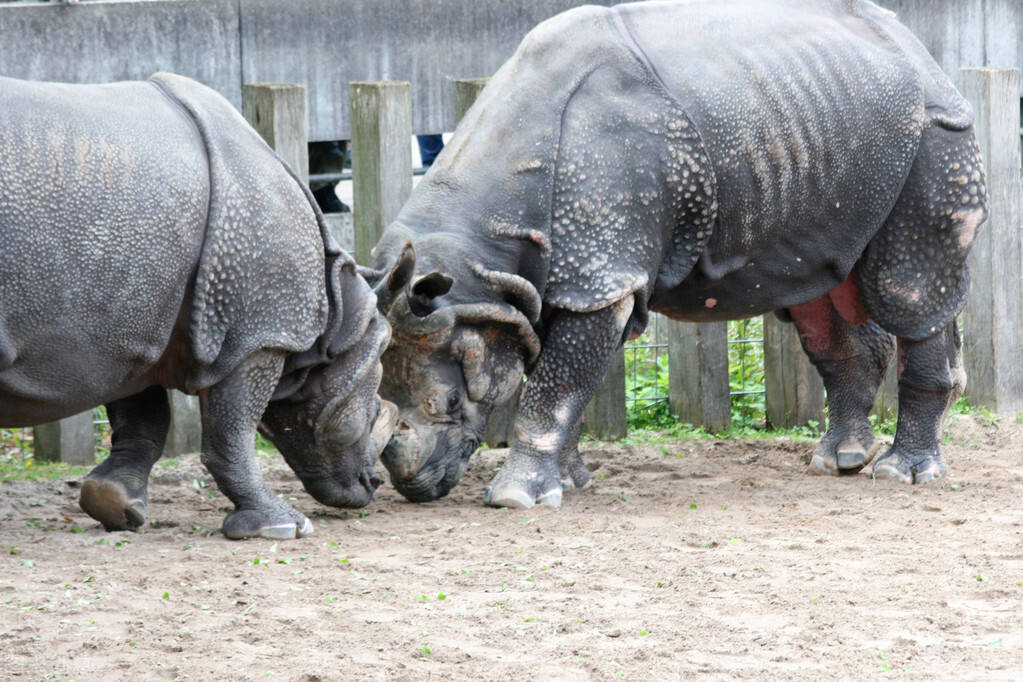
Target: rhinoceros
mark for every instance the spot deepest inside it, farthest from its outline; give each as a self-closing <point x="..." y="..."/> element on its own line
<point x="708" y="160"/>
<point x="152" y="240"/>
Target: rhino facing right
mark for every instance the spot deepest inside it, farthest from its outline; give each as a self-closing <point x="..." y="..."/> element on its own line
<point x="183" y="254"/>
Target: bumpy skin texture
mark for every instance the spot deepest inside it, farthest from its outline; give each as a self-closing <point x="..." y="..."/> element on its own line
<point x="154" y="241"/>
<point x="709" y="160"/>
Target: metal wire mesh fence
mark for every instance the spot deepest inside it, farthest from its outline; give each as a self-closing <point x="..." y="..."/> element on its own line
<point x="746" y="370"/>
<point x="646" y="366"/>
<point x="646" y="370"/>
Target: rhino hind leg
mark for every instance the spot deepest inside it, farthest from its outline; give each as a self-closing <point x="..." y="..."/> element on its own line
<point x="914" y="281"/>
<point x="574" y="472"/>
<point x="230" y="412"/>
<point x="851" y="360"/>
<point x="931" y="379"/>
<point x="115" y="493"/>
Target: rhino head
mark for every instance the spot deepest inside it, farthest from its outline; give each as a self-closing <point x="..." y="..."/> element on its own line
<point x="452" y="357"/>
<point x="325" y="417"/>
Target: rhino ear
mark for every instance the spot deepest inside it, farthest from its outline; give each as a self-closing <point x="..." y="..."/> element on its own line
<point x="425" y="290"/>
<point x="388" y="282"/>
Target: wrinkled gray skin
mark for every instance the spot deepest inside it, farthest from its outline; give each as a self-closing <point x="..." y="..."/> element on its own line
<point x="708" y="160"/>
<point x="152" y="240"/>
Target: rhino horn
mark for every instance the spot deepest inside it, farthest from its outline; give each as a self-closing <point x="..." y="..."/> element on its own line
<point x="384" y="427"/>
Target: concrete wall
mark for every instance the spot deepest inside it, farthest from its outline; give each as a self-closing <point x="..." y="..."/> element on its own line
<point x="429" y="43"/>
<point x="324" y="44"/>
<point x="97" y="42"/>
<point x="962" y="33"/>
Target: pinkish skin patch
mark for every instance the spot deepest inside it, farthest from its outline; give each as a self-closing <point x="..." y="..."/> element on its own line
<point x="970" y="221"/>
<point x="814" y="322"/>
<point x="847" y="301"/>
<point x="711" y="302"/>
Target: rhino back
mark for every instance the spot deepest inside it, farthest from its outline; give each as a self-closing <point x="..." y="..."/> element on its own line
<point x="103" y="195"/>
<point x="811" y="114"/>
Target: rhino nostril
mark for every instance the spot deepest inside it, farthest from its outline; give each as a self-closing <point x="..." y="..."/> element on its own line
<point x="375" y="481"/>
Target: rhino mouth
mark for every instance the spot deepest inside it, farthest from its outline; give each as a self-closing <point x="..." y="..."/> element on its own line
<point x="353" y="495"/>
<point x="432" y="479"/>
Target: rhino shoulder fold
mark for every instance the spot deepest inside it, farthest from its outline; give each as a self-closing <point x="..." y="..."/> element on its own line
<point x="261" y="277"/>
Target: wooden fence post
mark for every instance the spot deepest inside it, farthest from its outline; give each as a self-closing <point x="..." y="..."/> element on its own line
<point x="185" y="432"/>
<point x="886" y="404"/>
<point x="381" y="115"/>
<point x="605" y="416"/>
<point x="466" y="92"/>
<point x="698" y="391"/>
<point x="993" y="318"/>
<point x="70" y="440"/>
<point x="794" y="391"/>
<point x="277" y="111"/>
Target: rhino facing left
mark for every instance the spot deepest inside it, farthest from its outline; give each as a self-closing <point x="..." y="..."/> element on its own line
<point x="152" y="240"/>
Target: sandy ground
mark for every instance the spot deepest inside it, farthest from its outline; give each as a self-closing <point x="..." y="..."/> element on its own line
<point x="713" y="558"/>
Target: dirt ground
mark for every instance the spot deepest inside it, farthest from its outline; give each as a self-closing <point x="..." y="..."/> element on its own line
<point x="701" y="557"/>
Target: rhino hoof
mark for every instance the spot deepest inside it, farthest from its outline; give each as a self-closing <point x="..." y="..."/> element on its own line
<point x="515" y="498"/>
<point x="848" y="458"/>
<point x="575" y="475"/>
<point x="506" y="497"/>
<point x="108" y="503"/>
<point x="908" y="469"/>
<point x="251" y="523"/>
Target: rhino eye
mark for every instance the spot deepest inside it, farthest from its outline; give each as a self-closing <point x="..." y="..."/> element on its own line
<point x="454" y="400"/>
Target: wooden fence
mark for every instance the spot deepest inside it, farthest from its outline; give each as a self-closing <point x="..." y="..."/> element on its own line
<point x="381" y="124"/>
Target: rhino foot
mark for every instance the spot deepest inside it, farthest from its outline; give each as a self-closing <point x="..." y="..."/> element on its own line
<point x="519" y="487"/>
<point x="276" y="524"/>
<point x="574" y="472"/>
<point x="849" y="457"/>
<point x="110" y="503"/>
<point x="911" y="466"/>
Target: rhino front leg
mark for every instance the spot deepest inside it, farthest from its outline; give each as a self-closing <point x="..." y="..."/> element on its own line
<point x="230" y="412"/>
<point x="576" y="353"/>
<point x="852" y="361"/>
<point x="931" y="378"/>
<point x="115" y="492"/>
